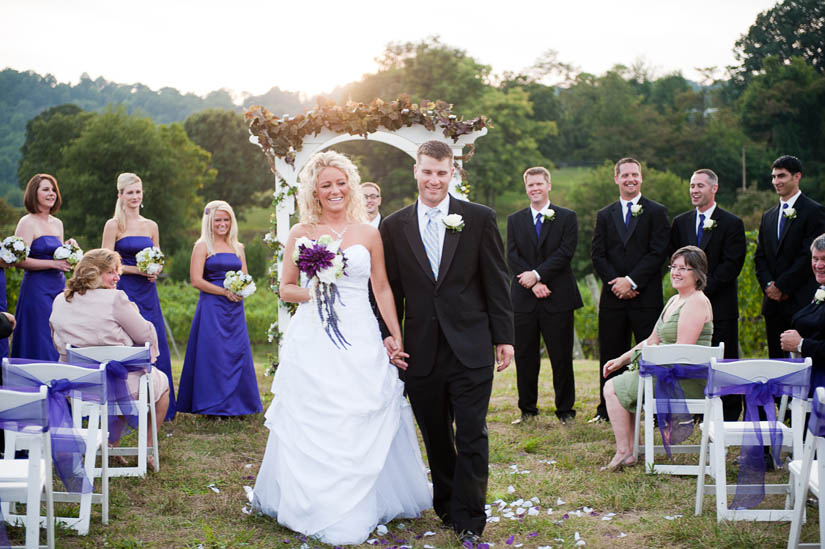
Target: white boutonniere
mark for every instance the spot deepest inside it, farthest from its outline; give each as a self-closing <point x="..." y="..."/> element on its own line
<point x="709" y="224"/>
<point x="548" y="215"/>
<point x="636" y="210"/>
<point x="819" y="296"/>
<point x="454" y="222"/>
<point x="789" y="213"/>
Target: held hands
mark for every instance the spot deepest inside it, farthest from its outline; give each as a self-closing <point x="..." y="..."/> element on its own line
<point x="540" y="290"/>
<point x="504" y="355"/>
<point x="10" y="317"/>
<point x="622" y="289"/>
<point x="396" y="353"/>
<point x="789" y="340"/>
<point x="234" y="298"/>
<point x="61" y="265"/>
<point x="527" y="279"/>
<point x="775" y="293"/>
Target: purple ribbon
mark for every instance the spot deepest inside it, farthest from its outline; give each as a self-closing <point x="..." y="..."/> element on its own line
<point x="675" y="421"/>
<point x="68" y="446"/>
<point x="750" y="489"/>
<point x="26" y="416"/>
<point x="816" y="423"/>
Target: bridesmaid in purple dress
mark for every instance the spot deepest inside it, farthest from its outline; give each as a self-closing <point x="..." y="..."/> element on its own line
<point x="218" y="377"/>
<point x="128" y="233"/>
<point x="44" y="277"/>
<point x="4" y="305"/>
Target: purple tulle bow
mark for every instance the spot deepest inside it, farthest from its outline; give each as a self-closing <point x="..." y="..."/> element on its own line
<point x="675" y="421"/>
<point x="750" y="482"/>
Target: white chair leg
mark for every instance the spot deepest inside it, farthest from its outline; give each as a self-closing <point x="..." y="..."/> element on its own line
<point x="650" y="451"/>
<point x="154" y="427"/>
<point x="700" y="478"/>
<point x="637" y="421"/>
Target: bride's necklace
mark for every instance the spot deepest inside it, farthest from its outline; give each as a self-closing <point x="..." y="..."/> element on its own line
<point x="340" y="235"/>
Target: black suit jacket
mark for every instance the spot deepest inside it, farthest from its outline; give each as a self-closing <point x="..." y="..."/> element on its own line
<point x="5" y="327"/>
<point x="787" y="260"/>
<point x="809" y="321"/>
<point x="637" y="251"/>
<point x="549" y="255"/>
<point x="469" y="302"/>
<point x="725" y="248"/>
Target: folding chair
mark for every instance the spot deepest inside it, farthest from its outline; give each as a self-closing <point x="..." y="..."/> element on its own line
<point x="807" y="472"/>
<point x="653" y="359"/>
<point x="24" y="415"/>
<point x="74" y="448"/>
<point x="760" y="381"/>
<point x="131" y="358"/>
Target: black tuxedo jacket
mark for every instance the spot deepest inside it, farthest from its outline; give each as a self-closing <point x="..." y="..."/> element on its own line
<point x="787" y="260"/>
<point x="5" y="327"/>
<point x="469" y="302"/>
<point x="637" y="251"/>
<point x="549" y="255"/>
<point x="809" y="321"/>
<point x="725" y="248"/>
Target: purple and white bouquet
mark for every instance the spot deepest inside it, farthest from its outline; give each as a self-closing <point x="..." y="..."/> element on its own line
<point x="323" y="263"/>
<point x="13" y="250"/>
<point x="150" y="260"/>
<point x="69" y="252"/>
<point x="239" y="283"/>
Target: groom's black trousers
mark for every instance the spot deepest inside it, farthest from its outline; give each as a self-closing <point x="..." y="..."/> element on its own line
<point x="458" y="457"/>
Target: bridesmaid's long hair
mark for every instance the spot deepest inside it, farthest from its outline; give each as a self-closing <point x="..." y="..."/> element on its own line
<point x="206" y="227"/>
<point x="308" y="204"/>
<point x="123" y="181"/>
<point x="88" y="270"/>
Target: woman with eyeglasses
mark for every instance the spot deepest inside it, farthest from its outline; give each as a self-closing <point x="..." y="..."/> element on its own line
<point x="687" y="318"/>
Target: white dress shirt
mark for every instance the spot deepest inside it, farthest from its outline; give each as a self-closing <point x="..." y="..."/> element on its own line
<point x="444" y="207"/>
<point x="376" y="220"/>
<point x="707" y="215"/>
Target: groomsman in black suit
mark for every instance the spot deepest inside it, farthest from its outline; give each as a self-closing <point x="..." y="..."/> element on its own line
<point x="628" y="252"/>
<point x="721" y="235"/>
<point x="783" y="254"/>
<point x="541" y="241"/>
<point x="445" y="263"/>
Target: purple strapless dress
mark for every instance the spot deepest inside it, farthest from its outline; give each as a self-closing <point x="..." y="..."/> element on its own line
<point x="145" y="295"/>
<point x="32" y="336"/>
<point x="218" y="375"/>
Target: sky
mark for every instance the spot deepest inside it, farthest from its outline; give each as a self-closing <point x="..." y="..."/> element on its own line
<point x="312" y="46"/>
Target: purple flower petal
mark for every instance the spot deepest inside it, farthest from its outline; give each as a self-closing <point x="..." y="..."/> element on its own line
<point x="510" y="540"/>
<point x="532" y="534"/>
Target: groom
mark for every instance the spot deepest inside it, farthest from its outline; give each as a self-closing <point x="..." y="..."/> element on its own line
<point x="445" y="263"/>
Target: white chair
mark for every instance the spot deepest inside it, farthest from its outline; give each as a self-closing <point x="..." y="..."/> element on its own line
<point x="24" y="416"/>
<point x="774" y="377"/>
<point x="664" y="355"/>
<point x="134" y="356"/>
<point x="88" y="396"/>
<point x="807" y="472"/>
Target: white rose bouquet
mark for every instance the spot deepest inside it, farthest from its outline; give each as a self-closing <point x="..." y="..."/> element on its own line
<point x="69" y="252"/>
<point x="150" y="260"/>
<point x="13" y="250"/>
<point x="239" y="283"/>
<point x="323" y="263"/>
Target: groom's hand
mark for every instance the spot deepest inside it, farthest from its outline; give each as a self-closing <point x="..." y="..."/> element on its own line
<point x="504" y="355"/>
<point x="395" y="353"/>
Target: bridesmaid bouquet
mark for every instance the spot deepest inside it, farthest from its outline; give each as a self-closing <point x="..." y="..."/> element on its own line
<point x="13" y="250"/>
<point x="239" y="283"/>
<point x="323" y="263"/>
<point x="69" y="252"/>
<point x="150" y="260"/>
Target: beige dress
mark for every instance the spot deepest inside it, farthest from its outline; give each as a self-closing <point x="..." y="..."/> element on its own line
<point x="104" y="317"/>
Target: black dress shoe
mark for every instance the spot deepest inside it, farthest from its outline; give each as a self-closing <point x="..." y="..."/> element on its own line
<point x="524" y="419"/>
<point x="567" y="418"/>
<point x="469" y="539"/>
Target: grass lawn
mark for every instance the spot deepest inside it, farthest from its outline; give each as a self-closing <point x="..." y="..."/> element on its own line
<point x="557" y="464"/>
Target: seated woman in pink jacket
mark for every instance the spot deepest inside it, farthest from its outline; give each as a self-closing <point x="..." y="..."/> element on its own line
<point x="92" y="311"/>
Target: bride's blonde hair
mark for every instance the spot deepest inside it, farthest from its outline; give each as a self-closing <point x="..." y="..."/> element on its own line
<point x="309" y="206"/>
<point x="207" y="235"/>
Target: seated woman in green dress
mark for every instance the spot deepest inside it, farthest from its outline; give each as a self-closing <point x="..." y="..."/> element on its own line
<point x="686" y="318"/>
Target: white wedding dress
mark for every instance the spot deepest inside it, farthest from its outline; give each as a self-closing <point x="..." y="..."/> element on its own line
<point x="342" y="455"/>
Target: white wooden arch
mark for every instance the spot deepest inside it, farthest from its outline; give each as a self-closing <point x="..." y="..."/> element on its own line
<point x="407" y="139"/>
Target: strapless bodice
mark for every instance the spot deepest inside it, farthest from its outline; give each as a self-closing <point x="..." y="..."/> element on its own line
<point x="129" y="246"/>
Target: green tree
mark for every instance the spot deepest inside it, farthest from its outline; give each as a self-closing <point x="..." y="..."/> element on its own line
<point x="46" y="136"/>
<point x="243" y="177"/>
<point x="172" y="168"/>
<point x="510" y="146"/>
<point x="793" y="28"/>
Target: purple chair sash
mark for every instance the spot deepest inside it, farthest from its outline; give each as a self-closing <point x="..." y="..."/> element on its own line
<point x="68" y="446"/>
<point x="816" y="423"/>
<point x="675" y="421"/>
<point x="33" y="414"/>
<point x="750" y="489"/>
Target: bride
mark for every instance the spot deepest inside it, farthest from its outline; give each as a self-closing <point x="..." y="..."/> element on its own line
<point x="342" y="454"/>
